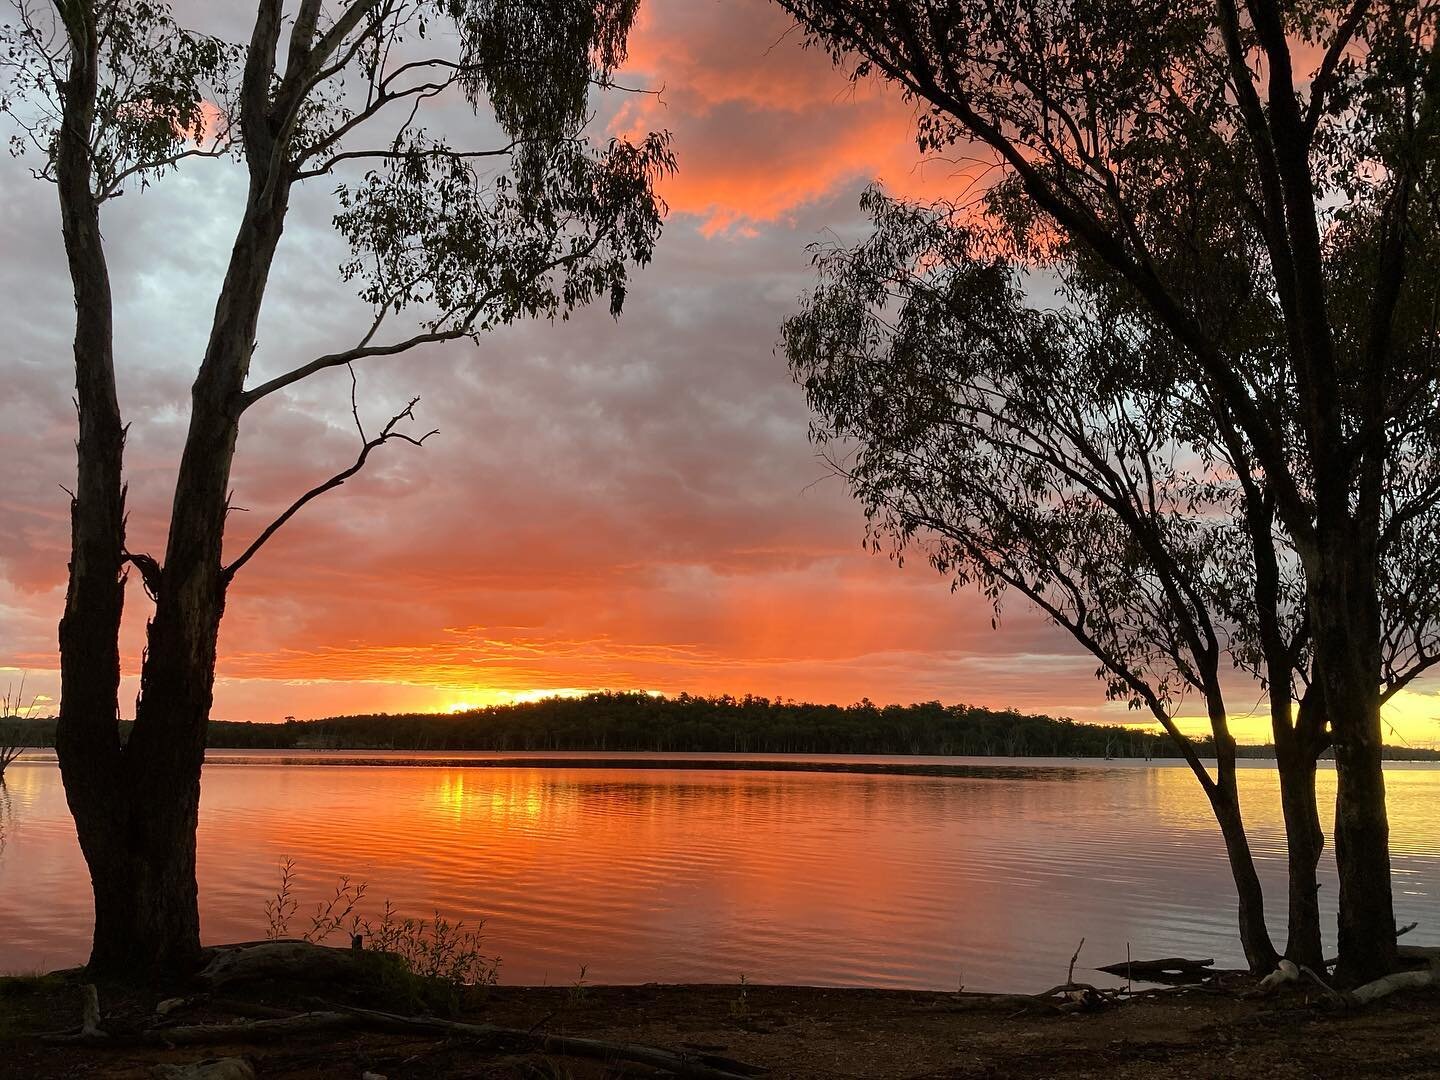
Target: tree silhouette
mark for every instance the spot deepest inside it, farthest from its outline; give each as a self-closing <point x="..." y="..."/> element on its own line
<point x="457" y="238"/>
<point x="1276" y="232"/>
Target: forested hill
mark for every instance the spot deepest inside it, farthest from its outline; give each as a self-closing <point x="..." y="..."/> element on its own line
<point x="755" y="725"/>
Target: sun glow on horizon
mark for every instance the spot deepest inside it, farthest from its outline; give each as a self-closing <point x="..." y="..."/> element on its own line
<point x="484" y="698"/>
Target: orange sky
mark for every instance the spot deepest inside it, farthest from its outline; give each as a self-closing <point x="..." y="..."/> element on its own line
<point x="621" y="505"/>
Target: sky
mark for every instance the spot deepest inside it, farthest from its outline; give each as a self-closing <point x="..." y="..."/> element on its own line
<point x="628" y="504"/>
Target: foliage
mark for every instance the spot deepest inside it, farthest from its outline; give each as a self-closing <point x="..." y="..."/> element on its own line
<point x="692" y="724"/>
<point x="525" y="217"/>
<point x="1233" y="206"/>
<point x="1138" y="181"/>
<point x="443" y="960"/>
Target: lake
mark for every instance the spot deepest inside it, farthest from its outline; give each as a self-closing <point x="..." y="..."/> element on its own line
<point x="986" y="878"/>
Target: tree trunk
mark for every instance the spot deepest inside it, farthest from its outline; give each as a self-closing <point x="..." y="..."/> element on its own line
<point x="136" y="808"/>
<point x="1362" y="844"/>
<point x="147" y="916"/>
<point x="1345" y="613"/>
<point x="1304" y="840"/>
<point x="87" y="735"/>
<point x="158" y="926"/>
<point x="1260" y="952"/>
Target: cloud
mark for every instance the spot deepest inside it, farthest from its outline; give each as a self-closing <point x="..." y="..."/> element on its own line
<point x="622" y="504"/>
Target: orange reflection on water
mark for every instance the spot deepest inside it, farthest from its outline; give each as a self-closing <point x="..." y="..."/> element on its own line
<point x="692" y="875"/>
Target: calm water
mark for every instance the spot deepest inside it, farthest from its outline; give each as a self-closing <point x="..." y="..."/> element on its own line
<point x="987" y="879"/>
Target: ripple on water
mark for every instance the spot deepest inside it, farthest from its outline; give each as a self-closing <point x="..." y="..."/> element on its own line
<point x="987" y="879"/>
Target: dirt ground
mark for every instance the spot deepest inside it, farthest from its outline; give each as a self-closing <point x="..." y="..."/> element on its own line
<point x="791" y="1031"/>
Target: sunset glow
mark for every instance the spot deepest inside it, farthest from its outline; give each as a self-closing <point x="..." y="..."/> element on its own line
<point x="626" y="505"/>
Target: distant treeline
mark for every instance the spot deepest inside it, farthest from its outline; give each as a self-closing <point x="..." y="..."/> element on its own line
<point x="687" y="724"/>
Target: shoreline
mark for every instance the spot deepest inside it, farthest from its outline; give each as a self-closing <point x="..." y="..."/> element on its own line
<point x="800" y="1032"/>
<point x="992" y="767"/>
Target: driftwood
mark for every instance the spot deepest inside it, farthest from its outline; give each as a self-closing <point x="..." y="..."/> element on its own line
<point x="1389" y="984"/>
<point x="248" y="1030"/>
<point x="1417" y="979"/>
<point x="1170" y="969"/>
<point x="1068" y="997"/>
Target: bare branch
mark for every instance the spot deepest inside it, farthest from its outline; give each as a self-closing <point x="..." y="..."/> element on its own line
<point x="387" y="434"/>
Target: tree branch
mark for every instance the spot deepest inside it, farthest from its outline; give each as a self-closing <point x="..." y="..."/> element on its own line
<point x="387" y="433"/>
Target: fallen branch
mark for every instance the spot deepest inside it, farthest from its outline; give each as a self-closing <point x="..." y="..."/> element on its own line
<point x="1168" y="969"/>
<point x="1420" y="978"/>
<point x="249" y="1030"/>
<point x="1066" y="998"/>
<point x="1389" y="984"/>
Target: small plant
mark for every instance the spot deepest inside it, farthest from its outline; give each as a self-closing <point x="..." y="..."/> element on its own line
<point x="741" y="1005"/>
<point x="329" y="917"/>
<point x="432" y="948"/>
<point x="578" y="989"/>
<point x="442" y="960"/>
<point x="332" y="915"/>
<point x="282" y="906"/>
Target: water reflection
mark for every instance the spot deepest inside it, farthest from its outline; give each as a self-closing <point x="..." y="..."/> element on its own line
<point x="987" y="877"/>
<point x="7" y="811"/>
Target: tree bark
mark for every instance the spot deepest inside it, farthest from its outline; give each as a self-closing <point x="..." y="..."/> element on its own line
<point x="1304" y="841"/>
<point x="165" y="755"/>
<point x="87" y="735"/>
<point x="1260" y="952"/>
<point x="1345" y="613"/>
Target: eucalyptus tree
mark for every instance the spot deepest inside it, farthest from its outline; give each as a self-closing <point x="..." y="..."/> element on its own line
<point x="1038" y="451"/>
<point x="1180" y="147"/>
<point x="450" y="236"/>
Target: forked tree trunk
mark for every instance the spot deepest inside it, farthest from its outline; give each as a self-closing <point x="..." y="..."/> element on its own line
<point x="149" y="897"/>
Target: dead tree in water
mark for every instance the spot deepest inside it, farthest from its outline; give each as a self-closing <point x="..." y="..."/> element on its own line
<point x="13" y="715"/>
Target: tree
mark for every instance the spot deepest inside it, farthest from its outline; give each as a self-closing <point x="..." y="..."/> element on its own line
<point x="15" y="723"/>
<point x="116" y="93"/>
<point x="1176" y="149"/>
<point x="1037" y="452"/>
